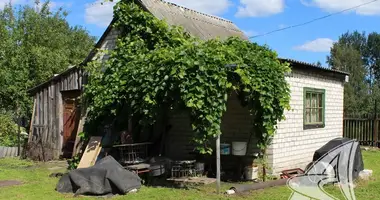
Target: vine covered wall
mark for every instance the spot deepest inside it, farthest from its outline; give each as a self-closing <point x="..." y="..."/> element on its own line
<point x="156" y="66"/>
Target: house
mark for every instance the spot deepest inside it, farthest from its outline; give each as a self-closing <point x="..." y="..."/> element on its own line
<point x="316" y="100"/>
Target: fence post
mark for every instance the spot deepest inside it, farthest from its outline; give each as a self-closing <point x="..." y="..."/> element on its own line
<point x="375" y="127"/>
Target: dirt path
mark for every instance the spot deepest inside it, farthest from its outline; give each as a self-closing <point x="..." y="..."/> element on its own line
<point x="9" y="183"/>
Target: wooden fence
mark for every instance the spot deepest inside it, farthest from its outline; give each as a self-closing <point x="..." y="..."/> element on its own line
<point x="9" y="152"/>
<point x="365" y="129"/>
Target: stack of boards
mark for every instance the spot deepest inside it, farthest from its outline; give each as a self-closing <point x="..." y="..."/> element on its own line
<point x="90" y="155"/>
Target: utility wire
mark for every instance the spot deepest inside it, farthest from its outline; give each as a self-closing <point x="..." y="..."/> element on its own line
<point x="313" y="20"/>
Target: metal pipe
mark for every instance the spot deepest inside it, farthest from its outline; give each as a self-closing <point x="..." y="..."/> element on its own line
<point x="218" y="164"/>
<point x="258" y="186"/>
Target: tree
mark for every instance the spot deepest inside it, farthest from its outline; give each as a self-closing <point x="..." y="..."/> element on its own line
<point x="318" y="63"/>
<point x="356" y="96"/>
<point x="8" y="131"/>
<point x="34" y="45"/>
<point x="363" y="89"/>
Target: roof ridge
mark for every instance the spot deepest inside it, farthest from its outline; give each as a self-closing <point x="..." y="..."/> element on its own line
<point x="192" y="10"/>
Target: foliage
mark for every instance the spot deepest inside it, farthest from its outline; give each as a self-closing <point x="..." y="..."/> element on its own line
<point x="356" y="90"/>
<point x="8" y="131"/>
<point x="34" y="45"/>
<point x="73" y="162"/>
<point x="84" y="136"/>
<point x="358" y="54"/>
<point x="156" y="66"/>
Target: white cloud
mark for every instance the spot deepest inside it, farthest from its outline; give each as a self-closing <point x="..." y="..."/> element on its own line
<point x="52" y="4"/>
<point x="260" y="8"/>
<point x="317" y="45"/>
<point x="99" y="13"/>
<point x="213" y="7"/>
<point x="14" y="2"/>
<point x="338" y="5"/>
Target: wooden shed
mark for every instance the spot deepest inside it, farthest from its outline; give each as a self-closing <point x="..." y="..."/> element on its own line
<point x="56" y="112"/>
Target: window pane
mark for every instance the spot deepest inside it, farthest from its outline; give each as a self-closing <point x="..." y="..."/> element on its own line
<point x="307" y="100"/>
<point x="320" y="100"/>
<point x="317" y="115"/>
<point x="314" y="115"/>
<point x="320" y="111"/>
<point x="314" y="100"/>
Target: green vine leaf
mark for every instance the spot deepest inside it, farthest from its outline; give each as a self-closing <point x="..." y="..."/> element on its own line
<point x="156" y="66"/>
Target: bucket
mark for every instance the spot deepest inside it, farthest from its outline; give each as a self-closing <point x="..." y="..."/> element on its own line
<point x="199" y="168"/>
<point x="251" y="173"/>
<point x="225" y="149"/>
<point x="239" y="148"/>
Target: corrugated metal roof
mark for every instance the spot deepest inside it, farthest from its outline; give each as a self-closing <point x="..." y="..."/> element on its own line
<point x="310" y="65"/>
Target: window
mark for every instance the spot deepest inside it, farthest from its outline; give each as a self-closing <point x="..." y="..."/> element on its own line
<point x="314" y="108"/>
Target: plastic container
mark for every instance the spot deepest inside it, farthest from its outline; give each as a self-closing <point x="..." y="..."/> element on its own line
<point x="157" y="170"/>
<point x="199" y="168"/>
<point x="251" y="173"/>
<point x="239" y="148"/>
<point x="225" y="149"/>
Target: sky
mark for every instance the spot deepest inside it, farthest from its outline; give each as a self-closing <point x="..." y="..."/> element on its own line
<point x="309" y="43"/>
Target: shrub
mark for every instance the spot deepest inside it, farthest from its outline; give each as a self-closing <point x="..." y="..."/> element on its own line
<point x="8" y="131"/>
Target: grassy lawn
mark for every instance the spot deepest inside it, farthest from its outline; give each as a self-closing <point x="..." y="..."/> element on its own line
<point x="38" y="185"/>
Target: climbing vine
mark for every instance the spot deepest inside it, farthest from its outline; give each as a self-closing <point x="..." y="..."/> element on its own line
<point x="155" y="64"/>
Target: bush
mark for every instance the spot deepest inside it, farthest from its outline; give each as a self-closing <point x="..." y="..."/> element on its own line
<point x="8" y="131"/>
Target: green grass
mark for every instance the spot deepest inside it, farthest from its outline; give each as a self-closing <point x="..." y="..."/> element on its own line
<point x="37" y="185"/>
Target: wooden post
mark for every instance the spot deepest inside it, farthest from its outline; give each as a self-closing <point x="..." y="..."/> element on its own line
<point x="19" y="134"/>
<point x="218" y="164"/>
<point x="375" y="127"/>
<point x="83" y="116"/>
<point x="32" y="121"/>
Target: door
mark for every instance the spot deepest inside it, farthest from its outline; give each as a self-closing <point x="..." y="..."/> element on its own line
<point x="71" y="117"/>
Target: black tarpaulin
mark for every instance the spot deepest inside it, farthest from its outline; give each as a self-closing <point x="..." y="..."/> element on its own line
<point x="106" y="177"/>
<point x="358" y="162"/>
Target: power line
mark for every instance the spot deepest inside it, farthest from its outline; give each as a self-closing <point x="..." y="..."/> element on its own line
<point x="313" y="20"/>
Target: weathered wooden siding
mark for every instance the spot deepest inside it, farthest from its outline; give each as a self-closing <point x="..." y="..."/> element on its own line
<point x="9" y="152"/>
<point x="236" y="126"/>
<point x="47" y="125"/>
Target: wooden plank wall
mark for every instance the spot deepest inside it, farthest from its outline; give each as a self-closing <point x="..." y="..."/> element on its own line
<point x="48" y="113"/>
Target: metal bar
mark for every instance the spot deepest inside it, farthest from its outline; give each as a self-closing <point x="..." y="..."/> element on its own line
<point x="218" y="164"/>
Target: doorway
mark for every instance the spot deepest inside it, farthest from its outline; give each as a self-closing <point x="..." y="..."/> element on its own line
<point x="71" y="117"/>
